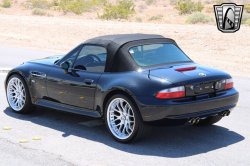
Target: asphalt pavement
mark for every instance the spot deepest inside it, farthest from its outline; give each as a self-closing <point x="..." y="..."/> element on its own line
<point x="69" y="139"/>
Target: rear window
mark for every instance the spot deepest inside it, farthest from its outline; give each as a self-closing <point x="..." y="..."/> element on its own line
<point x="154" y="54"/>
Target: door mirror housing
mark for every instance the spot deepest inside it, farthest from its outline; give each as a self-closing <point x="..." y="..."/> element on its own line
<point x="65" y="66"/>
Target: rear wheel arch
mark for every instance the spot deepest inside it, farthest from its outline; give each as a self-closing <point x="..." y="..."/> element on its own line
<point x="140" y="128"/>
<point x="119" y="91"/>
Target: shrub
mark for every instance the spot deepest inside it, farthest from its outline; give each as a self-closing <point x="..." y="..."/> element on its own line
<point x="247" y="22"/>
<point x="54" y="3"/>
<point x="31" y="4"/>
<point x="123" y="9"/>
<point x="150" y="2"/>
<point x="197" y="17"/>
<point x="138" y="19"/>
<point x="38" y="11"/>
<point x="247" y="8"/>
<point x="6" y="4"/>
<point x="79" y="6"/>
<point x="188" y="6"/>
<point x="184" y="6"/>
<point x="157" y="17"/>
<point x="209" y="9"/>
<point x="219" y="2"/>
<point x="245" y="17"/>
<point x="199" y="7"/>
<point x="207" y="2"/>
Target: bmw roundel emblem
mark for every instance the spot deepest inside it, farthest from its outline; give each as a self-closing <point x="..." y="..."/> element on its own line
<point x="202" y="74"/>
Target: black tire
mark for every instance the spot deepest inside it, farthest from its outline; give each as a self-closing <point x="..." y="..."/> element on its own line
<point x="209" y="120"/>
<point x="141" y="129"/>
<point x="28" y="106"/>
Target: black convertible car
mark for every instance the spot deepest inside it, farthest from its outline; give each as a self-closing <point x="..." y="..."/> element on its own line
<point x="132" y="81"/>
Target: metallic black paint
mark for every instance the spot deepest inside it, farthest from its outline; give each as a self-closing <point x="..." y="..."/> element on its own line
<point x="71" y="92"/>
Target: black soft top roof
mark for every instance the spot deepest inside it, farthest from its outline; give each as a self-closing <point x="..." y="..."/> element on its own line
<point x="125" y="38"/>
<point x="118" y="57"/>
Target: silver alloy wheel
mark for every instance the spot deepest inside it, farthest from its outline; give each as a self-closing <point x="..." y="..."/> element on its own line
<point x="16" y="93"/>
<point x="120" y="118"/>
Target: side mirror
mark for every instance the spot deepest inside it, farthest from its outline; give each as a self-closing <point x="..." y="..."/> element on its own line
<point x="65" y="66"/>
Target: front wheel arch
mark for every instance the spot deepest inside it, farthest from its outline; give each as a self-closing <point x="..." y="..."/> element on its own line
<point x="18" y="73"/>
<point x="12" y="72"/>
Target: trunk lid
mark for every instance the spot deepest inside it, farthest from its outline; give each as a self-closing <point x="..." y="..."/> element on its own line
<point x="201" y="80"/>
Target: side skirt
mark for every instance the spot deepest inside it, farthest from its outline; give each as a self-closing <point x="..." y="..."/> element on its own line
<point x="71" y="109"/>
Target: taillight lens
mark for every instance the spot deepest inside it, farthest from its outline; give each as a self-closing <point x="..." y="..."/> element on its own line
<point x="229" y="83"/>
<point x="171" y="93"/>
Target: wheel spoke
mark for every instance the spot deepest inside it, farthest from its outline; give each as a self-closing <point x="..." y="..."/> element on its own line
<point x="121" y="103"/>
<point x="120" y="110"/>
<point x="16" y="93"/>
<point x="120" y="118"/>
<point x="120" y="129"/>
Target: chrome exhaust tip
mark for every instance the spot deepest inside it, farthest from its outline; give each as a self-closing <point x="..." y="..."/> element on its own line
<point x="223" y="113"/>
<point x="228" y="113"/>
<point x="192" y="121"/>
<point x="197" y="120"/>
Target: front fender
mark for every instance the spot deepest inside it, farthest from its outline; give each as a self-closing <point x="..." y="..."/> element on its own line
<point x="37" y="88"/>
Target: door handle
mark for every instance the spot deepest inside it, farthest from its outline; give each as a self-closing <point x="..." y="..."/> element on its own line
<point x="88" y="81"/>
<point x="37" y="74"/>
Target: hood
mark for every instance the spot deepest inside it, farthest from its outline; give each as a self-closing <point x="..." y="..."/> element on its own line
<point x="199" y="74"/>
<point x="48" y="60"/>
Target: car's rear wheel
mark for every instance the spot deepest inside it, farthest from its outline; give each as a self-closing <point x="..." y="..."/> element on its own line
<point x="209" y="120"/>
<point x="18" y="95"/>
<point x="123" y="120"/>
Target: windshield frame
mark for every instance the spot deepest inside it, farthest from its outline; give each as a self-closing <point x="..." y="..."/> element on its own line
<point x="161" y="64"/>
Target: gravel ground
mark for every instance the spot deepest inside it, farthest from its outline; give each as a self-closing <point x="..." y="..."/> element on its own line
<point x="203" y="43"/>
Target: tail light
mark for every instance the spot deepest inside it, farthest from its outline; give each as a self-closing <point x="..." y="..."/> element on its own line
<point x="229" y="83"/>
<point x="171" y="93"/>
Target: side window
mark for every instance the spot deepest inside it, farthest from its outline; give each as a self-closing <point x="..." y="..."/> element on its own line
<point x="91" y="58"/>
<point x="70" y="57"/>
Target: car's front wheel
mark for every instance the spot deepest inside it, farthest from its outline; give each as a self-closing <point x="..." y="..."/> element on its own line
<point x="18" y="96"/>
<point x="123" y="120"/>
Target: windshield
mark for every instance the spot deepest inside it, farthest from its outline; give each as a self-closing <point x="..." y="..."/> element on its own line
<point x="154" y="54"/>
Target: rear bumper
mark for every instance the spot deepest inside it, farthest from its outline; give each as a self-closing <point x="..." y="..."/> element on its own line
<point x="153" y="109"/>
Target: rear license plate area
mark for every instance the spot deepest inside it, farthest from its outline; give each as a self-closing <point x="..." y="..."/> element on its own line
<point x="205" y="96"/>
<point x="207" y="87"/>
<point x="200" y="88"/>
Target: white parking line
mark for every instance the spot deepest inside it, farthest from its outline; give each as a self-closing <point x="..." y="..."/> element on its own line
<point x="92" y="123"/>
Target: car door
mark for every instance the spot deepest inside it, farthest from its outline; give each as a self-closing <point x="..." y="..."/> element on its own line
<point x="77" y="86"/>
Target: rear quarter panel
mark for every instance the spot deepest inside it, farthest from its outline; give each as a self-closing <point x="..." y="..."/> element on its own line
<point x="133" y="83"/>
